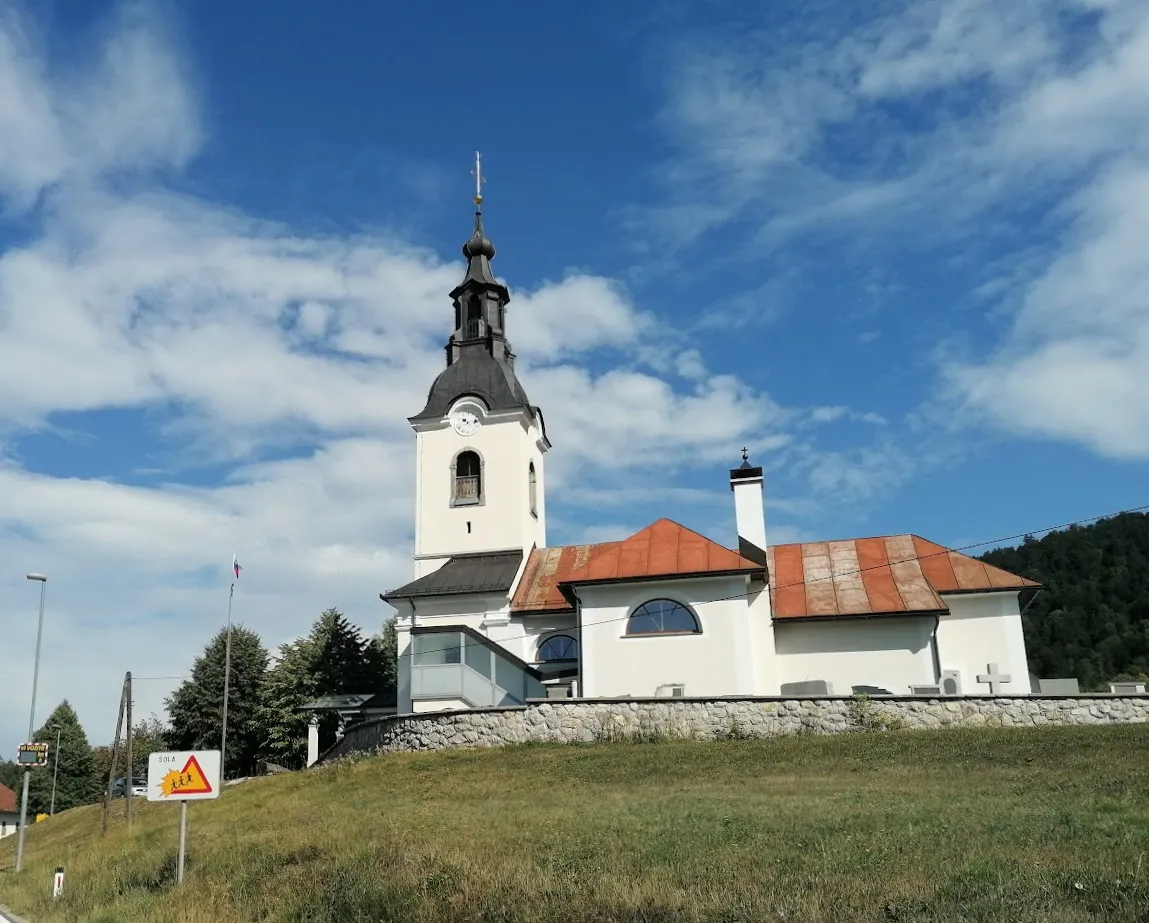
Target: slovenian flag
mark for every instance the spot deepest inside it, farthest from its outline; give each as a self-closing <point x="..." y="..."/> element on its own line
<point x="235" y="566"/>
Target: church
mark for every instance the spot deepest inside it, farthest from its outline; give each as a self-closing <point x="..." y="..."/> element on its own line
<point x="495" y="617"/>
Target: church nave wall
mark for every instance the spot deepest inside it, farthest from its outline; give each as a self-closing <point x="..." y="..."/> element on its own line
<point x="892" y="653"/>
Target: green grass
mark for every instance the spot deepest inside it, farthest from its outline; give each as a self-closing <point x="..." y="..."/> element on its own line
<point x="1045" y="824"/>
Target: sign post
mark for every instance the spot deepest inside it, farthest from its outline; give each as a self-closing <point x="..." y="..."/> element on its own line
<point x="58" y="882"/>
<point x="184" y="776"/>
<point x="183" y="840"/>
<point x="30" y="756"/>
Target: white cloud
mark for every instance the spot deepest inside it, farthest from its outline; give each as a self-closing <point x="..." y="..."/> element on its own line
<point x="1075" y="365"/>
<point x="1039" y="110"/>
<point x="130" y="109"/>
<point x="626" y="419"/>
<point x="578" y="313"/>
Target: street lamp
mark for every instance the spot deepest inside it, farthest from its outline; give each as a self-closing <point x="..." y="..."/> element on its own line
<point x="55" y="770"/>
<point x="31" y="723"/>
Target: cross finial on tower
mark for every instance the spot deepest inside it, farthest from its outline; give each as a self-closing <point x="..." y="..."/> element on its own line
<point x="745" y="454"/>
<point x="478" y="174"/>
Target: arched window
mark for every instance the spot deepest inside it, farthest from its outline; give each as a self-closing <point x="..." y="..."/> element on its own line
<point x="533" y="487"/>
<point x="474" y="317"/>
<point x="558" y="647"/>
<point x="662" y="617"/>
<point x="468" y="478"/>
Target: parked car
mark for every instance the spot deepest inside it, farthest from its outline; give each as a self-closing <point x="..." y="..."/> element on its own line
<point x="139" y="788"/>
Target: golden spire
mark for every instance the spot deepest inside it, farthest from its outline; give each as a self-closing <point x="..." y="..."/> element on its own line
<point x="478" y="174"/>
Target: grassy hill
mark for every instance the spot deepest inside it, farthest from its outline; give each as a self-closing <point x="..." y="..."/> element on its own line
<point x="1047" y="824"/>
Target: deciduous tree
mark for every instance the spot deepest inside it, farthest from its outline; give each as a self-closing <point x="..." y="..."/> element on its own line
<point x="1091" y="618"/>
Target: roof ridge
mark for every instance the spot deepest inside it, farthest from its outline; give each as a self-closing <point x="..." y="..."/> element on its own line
<point x="853" y="538"/>
<point x="709" y="541"/>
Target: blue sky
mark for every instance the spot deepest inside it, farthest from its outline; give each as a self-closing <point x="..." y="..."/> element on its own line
<point x="899" y="254"/>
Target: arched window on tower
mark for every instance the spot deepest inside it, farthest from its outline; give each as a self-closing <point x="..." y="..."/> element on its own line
<point x="468" y="479"/>
<point x="533" y="488"/>
<point x="474" y="317"/>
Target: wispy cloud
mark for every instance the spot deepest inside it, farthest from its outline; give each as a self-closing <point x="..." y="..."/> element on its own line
<point x="1014" y="135"/>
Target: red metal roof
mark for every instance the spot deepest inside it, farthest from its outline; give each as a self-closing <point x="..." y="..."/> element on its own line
<point x="876" y="576"/>
<point x="886" y="575"/>
<point x="7" y="800"/>
<point x="662" y="549"/>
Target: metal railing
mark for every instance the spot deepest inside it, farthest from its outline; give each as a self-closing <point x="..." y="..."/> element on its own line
<point x="466" y="489"/>
<point x="476" y="327"/>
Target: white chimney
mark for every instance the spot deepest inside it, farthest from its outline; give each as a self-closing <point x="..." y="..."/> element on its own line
<point x="749" y="515"/>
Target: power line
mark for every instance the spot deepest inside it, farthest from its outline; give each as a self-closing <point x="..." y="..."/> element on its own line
<point x="860" y="570"/>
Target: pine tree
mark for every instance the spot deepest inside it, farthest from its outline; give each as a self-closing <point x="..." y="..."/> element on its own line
<point x="342" y="664"/>
<point x="288" y="686"/>
<point x="384" y="655"/>
<point x="196" y="707"/>
<point x="76" y="782"/>
<point x="11" y="774"/>
<point x="333" y="659"/>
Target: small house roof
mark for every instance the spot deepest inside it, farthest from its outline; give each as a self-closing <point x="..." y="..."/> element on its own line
<point x="8" y="801"/>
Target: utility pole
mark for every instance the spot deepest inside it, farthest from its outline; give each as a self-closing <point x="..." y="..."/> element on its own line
<point x="131" y="773"/>
<point x="226" y="682"/>
<point x="115" y="754"/>
<point x="31" y="724"/>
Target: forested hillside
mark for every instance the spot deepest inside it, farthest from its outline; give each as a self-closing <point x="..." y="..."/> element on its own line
<point x="1091" y="620"/>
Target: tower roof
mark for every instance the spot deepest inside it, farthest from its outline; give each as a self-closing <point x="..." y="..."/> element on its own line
<point x="479" y="374"/>
<point x="479" y="250"/>
<point x="480" y="361"/>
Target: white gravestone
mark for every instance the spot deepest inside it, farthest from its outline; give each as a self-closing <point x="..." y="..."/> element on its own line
<point x="994" y="678"/>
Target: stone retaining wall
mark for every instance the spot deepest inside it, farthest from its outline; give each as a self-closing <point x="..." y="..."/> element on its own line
<point x="588" y="720"/>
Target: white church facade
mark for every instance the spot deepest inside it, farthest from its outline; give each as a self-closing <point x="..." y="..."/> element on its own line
<point x="495" y="617"/>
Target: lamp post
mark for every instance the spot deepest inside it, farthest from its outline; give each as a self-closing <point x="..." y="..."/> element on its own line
<point x="55" y="770"/>
<point x="31" y="723"/>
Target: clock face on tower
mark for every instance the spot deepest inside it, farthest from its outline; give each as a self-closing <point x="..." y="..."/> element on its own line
<point x="465" y="422"/>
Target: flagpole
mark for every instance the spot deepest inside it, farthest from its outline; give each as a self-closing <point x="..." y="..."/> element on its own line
<point x="226" y="683"/>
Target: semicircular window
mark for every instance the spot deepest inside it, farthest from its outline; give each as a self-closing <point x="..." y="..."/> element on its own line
<point x="662" y="617"/>
<point x="558" y="647"/>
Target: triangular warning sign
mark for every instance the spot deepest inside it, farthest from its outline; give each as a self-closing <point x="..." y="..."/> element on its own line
<point x="189" y="781"/>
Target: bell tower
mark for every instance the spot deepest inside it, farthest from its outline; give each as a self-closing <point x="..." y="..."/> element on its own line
<point x="479" y="441"/>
